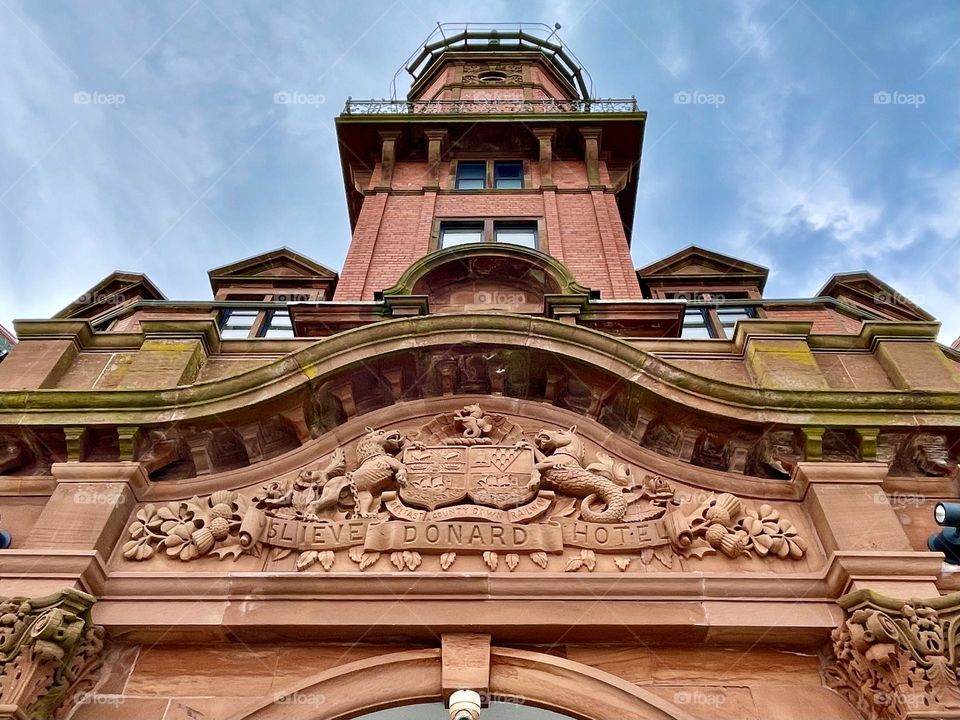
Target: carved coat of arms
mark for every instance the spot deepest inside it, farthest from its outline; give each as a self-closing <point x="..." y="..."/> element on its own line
<point x="501" y="476"/>
<point x="465" y="483"/>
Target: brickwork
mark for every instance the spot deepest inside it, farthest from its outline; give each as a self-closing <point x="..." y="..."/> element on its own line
<point x="582" y="226"/>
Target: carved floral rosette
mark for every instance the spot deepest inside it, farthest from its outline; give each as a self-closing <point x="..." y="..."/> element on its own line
<point x="468" y="484"/>
<point x="893" y="657"/>
<point x="49" y="653"/>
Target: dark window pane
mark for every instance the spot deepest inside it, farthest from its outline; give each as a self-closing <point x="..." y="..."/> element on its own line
<point x="471" y="175"/>
<point x="508" y="175"/>
<point x="460" y="234"/>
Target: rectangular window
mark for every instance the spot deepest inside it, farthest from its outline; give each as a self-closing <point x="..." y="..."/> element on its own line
<point x="278" y="325"/>
<point x="236" y="324"/>
<point x="460" y="233"/>
<point x="729" y="315"/>
<point x="516" y="233"/>
<point x="508" y="175"/>
<point x="695" y="324"/>
<point x="471" y="175"/>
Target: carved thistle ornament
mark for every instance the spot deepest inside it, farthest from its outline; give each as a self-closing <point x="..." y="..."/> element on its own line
<point x="470" y="483"/>
<point x="49" y="653"/>
<point x="896" y="659"/>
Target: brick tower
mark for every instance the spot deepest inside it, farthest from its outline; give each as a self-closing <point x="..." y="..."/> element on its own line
<point x="498" y="142"/>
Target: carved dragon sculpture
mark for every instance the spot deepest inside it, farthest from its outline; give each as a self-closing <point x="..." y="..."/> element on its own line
<point x="560" y="457"/>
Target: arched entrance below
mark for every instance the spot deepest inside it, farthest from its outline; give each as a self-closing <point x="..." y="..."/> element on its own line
<point x="534" y="680"/>
<point x="437" y="711"/>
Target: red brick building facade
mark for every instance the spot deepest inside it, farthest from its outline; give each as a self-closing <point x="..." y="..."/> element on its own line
<point x="489" y="465"/>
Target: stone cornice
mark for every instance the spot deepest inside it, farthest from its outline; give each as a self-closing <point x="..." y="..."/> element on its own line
<point x="325" y="358"/>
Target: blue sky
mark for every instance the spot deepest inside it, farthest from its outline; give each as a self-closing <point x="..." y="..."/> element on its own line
<point x="145" y="136"/>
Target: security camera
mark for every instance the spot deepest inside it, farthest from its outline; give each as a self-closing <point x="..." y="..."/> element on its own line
<point x="465" y="705"/>
<point x="947" y="541"/>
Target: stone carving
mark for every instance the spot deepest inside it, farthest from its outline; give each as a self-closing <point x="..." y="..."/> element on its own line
<point x="13" y="454"/>
<point x="49" y="653"/>
<point x="474" y="425"/>
<point x="560" y="460"/>
<point x="188" y="529"/>
<point x="377" y="470"/>
<point x="734" y="530"/>
<point x="893" y="658"/>
<point x="777" y="453"/>
<point x="492" y="73"/>
<point x="928" y="453"/>
<point x="310" y="493"/>
<point x="469" y="484"/>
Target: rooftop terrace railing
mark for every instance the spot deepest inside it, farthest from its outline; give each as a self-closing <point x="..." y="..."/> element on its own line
<point x="487" y="106"/>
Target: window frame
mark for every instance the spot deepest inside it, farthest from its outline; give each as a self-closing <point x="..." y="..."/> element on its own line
<point x="498" y="164"/>
<point x="227" y="313"/>
<point x="714" y="324"/>
<point x="265" y="324"/>
<point x="451" y="224"/>
<point x="538" y="224"/>
<point x="479" y="164"/>
<point x="490" y="181"/>
<point x="507" y="225"/>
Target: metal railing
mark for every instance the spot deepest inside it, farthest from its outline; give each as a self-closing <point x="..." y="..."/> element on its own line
<point x="486" y="106"/>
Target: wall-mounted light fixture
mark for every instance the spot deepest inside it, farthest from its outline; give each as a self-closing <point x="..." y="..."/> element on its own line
<point x="947" y="540"/>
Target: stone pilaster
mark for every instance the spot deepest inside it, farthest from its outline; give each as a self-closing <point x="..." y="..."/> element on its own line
<point x="861" y="531"/>
<point x="77" y="530"/>
<point x="591" y="153"/>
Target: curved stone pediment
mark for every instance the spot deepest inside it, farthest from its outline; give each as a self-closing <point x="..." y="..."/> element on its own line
<point x="240" y="421"/>
<point x="468" y="487"/>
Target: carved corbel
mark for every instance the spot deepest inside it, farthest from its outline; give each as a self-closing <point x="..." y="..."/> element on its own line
<point x="896" y="659"/>
<point x="388" y="158"/>
<point x="49" y="653"/>
<point x="446" y="369"/>
<point x="435" y="141"/>
<point x="545" y="136"/>
<point x="216" y="450"/>
<point x="591" y="140"/>
<point x="928" y="454"/>
<point x="14" y="454"/>
<point x="160" y="448"/>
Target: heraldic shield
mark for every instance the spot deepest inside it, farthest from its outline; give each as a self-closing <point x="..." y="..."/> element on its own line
<point x="501" y="476"/>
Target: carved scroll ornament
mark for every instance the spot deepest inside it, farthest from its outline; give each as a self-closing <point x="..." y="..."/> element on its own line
<point x="894" y="658"/>
<point x="49" y="653"/>
<point x="469" y="484"/>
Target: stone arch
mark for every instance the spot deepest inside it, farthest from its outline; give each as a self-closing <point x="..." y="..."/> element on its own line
<point x="487" y="276"/>
<point x="414" y="676"/>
